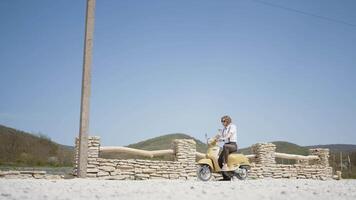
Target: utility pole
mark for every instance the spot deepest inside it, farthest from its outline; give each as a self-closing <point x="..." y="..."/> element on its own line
<point x="340" y="161"/>
<point x="86" y="76"/>
<point x="334" y="162"/>
<point x="349" y="163"/>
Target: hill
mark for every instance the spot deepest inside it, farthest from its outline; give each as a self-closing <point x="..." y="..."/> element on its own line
<point x="347" y="148"/>
<point x="282" y="147"/>
<point x="19" y="148"/>
<point x="157" y="143"/>
<point x="165" y="142"/>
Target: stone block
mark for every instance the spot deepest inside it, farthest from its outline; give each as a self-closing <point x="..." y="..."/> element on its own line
<point x="107" y="168"/>
<point x="173" y="176"/>
<point x="115" y="172"/>
<point x="142" y="176"/>
<point x="148" y="171"/>
<point x="103" y="173"/>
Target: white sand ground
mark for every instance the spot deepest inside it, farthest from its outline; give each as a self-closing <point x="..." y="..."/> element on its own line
<point x="179" y="190"/>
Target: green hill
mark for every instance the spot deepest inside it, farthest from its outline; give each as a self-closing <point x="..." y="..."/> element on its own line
<point x="282" y="147"/>
<point x="19" y="148"/>
<point x="287" y="147"/>
<point x="346" y="148"/>
<point x="157" y="143"/>
<point x="165" y="142"/>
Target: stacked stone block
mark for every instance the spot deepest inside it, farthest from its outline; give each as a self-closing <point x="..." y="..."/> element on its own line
<point x="76" y="156"/>
<point x="93" y="155"/>
<point x="323" y="155"/>
<point x="265" y="153"/>
<point x="185" y="153"/>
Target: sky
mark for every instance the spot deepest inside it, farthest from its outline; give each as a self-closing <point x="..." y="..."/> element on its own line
<point x="163" y="67"/>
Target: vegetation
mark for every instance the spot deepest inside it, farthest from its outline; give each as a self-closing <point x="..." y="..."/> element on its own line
<point x="344" y="162"/>
<point x="165" y="142"/>
<point x="18" y="148"/>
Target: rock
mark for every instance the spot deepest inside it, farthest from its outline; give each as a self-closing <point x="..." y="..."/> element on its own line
<point x="33" y="172"/>
<point x="115" y="172"/>
<point x="107" y="168"/>
<point x="118" y="177"/>
<point x="52" y="176"/>
<point x="5" y="195"/>
<point x="127" y="173"/>
<point x="102" y="173"/>
<point x="142" y="176"/>
<point x="173" y="176"/>
<point x="108" y="164"/>
<point x="3" y="173"/>
<point x="138" y="171"/>
<point x="19" y="176"/>
<point x="125" y="168"/>
<point x="149" y="171"/>
<point x="91" y="175"/>
<point x="92" y="170"/>
<point x="39" y="176"/>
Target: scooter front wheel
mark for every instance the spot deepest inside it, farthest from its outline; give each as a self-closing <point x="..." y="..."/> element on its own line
<point x="204" y="172"/>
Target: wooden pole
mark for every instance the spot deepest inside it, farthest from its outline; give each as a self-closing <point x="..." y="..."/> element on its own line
<point x="295" y="157"/>
<point x="334" y="162"/>
<point x="350" y="164"/>
<point x="340" y="161"/>
<point x="139" y="152"/>
<point x="86" y="76"/>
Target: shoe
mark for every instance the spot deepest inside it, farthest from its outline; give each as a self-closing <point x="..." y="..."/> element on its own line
<point x="225" y="168"/>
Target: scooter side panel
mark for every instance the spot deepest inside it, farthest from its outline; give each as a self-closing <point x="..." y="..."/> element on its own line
<point x="206" y="161"/>
<point x="236" y="160"/>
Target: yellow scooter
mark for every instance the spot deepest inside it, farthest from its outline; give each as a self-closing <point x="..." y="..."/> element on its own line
<point x="238" y="164"/>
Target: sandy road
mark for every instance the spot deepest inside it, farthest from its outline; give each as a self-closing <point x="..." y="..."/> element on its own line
<point x="179" y="190"/>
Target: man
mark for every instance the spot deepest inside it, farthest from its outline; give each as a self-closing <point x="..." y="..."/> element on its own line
<point x="229" y="136"/>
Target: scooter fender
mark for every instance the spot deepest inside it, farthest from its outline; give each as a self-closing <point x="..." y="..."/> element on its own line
<point x="206" y="161"/>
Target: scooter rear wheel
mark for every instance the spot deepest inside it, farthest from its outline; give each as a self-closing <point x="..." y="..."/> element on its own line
<point x="242" y="174"/>
<point x="204" y="172"/>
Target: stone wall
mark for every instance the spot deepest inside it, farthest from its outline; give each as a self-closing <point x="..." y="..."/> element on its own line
<point x="184" y="166"/>
<point x="28" y="174"/>
<point x="265" y="165"/>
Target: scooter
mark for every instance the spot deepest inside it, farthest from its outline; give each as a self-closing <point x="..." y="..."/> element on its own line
<point x="238" y="164"/>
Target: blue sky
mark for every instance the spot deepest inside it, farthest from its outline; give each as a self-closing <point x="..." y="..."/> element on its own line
<point x="177" y="66"/>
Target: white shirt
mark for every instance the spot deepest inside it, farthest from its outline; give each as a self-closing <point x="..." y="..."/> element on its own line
<point x="231" y="131"/>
